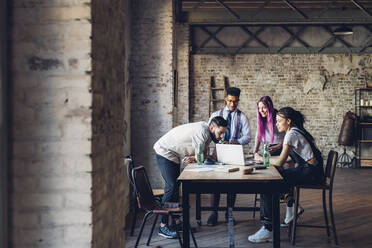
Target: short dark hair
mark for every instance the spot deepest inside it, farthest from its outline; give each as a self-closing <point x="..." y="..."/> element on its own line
<point x="219" y="121"/>
<point x="233" y="91"/>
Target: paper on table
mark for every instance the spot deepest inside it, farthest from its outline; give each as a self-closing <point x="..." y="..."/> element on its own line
<point x="199" y="169"/>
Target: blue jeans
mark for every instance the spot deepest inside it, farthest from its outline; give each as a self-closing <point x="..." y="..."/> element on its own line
<point x="170" y="171"/>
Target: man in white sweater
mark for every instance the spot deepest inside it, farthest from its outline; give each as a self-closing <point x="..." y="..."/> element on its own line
<point x="182" y="142"/>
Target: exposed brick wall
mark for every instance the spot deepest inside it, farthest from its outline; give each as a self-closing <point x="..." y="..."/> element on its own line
<point x="111" y="114"/>
<point x="290" y="80"/>
<point x="183" y="91"/>
<point x="151" y="79"/>
<point x="51" y="115"/>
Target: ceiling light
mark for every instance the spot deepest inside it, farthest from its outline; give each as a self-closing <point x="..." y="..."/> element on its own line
<point x="343" y="30"/>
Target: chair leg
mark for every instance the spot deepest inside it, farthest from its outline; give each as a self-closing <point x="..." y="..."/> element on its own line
<point x="294" y="221"/>
<point x="178" y="234"/>
<point x="289" y="231"/>
<point x="325" y="212"/>
<point x="142" y="226"/>
<point x="198" y="209"/>
<point x="193" y="238"/>
<point x="135" y="207"/>
<point x="255" y="205"/>
<point x="152" y="230"/>
<point x="332" y="217"/>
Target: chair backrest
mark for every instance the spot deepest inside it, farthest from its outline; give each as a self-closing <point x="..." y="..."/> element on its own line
<point x="330" y="168"/>
<point x="145" y="198"/>
<point x="129" y="164"/>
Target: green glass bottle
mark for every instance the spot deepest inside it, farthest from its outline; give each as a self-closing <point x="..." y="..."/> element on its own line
<point x="200" y="155"/>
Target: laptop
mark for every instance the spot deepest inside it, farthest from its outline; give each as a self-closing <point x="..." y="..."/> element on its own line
<point x="231" y="154"/>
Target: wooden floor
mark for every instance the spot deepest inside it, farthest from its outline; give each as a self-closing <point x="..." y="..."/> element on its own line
<point x="352" y="208"/>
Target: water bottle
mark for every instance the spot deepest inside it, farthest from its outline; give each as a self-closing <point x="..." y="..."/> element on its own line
<point x="266" y="155"/>
<point x="200" y="155"/>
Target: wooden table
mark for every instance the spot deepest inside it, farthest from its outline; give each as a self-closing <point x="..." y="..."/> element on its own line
<point x="260" y="181"/>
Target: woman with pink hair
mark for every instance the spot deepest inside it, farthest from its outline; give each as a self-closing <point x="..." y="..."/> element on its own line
<point x="266" y="128"/>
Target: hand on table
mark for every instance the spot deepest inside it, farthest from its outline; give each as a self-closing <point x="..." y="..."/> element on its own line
<point x="189" y="159"/>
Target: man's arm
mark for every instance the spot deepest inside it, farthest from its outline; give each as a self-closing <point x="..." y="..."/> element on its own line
<point x="189" y="159"/>
<point x="245" y="130"/>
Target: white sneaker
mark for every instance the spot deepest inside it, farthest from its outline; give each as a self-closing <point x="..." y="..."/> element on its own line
<point x="289" y="215"/>
<point x="261" y="236"/>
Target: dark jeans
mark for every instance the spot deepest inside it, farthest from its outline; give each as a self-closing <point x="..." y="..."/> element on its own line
<point x="302" y="174"/>
<point x="215" y="200"/>
<point x="170" y="171"/>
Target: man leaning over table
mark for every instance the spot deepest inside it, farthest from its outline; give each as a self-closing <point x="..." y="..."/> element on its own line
<point x="238" y="132"/>
<point x="182" y="142"/>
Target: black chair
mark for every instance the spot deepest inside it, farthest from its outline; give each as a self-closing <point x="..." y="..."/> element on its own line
<point x="330" y="170"/>
<point x="148" y="202"/>
<point x="158" y="193"/>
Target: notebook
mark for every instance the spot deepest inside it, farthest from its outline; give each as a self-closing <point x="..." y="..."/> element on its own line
<point x="231" y="154"/>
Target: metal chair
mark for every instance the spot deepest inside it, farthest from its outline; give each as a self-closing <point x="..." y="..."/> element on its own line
<point x="148" y="202"/>
<point x="330" y="170"/>
<point x="158" y="193"/>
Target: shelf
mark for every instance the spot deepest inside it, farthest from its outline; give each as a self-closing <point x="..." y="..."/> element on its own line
<point x="365" y="123"/>
<point x="365" y="106"/>
<point x="366" y="162"/>
<point x="364" y="89"/>
<point x="363" y="158"/>
<point x="221" y="88"/>
<point x="365" y="141"/>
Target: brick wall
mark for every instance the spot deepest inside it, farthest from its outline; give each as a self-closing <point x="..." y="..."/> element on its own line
<point x="51" y="116"/>
<point x="151" y="79"/>
<point x="111" y="114"/>
<point x="183" y="91"/>
<point x="320" y="86"/>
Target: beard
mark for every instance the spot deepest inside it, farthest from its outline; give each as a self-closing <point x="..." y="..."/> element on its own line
<point x="214" y="138"/>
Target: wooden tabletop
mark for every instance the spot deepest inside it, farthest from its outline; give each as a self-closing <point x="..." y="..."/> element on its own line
<point x="269" y="174"/>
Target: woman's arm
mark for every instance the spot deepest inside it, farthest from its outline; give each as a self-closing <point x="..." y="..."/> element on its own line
<point x="257" y="144"/>
<point x="282" y="158"/>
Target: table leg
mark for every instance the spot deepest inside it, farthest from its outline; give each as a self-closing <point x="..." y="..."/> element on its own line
<point x="186" y="216"/>
<point x="198" y="209"/>
<point x="276" y="220"/>
<point x="231" y="226"/>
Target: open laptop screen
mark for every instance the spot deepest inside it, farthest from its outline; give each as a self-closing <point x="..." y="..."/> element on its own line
<point x="230" y="154"/>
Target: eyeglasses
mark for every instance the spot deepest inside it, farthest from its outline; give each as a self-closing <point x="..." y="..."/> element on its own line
<point x="231" y="101"/>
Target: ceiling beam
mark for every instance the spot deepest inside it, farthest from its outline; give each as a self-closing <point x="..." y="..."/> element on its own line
<point x="364" y="10"/>
<point x="228" y="9"/>
<point x="298" y="11"/>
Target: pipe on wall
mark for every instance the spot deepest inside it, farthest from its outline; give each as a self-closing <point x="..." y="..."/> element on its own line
<point x="4" y="144"/>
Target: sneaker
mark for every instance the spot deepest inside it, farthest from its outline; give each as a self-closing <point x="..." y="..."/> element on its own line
<point x="167" y="233"/>
<point x="227" y="218"/>
<point x="261" y="236"/>
<point x="289" y="214"/>
<point x="212" y="219"/>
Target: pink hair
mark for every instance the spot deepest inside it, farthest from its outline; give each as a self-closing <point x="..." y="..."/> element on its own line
<point x="268" y="121"/>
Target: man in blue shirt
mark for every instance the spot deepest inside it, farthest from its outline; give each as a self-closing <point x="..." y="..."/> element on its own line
<point x="238" y="132"/>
